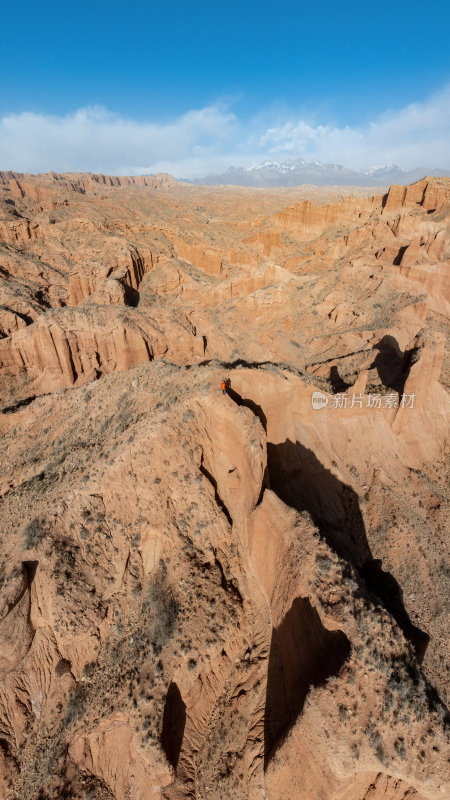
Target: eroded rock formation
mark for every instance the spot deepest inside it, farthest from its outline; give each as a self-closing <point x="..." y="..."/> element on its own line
<point x="207" y="595"/>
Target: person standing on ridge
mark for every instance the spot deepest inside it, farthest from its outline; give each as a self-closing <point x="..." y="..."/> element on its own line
<point x="224" y="387"/>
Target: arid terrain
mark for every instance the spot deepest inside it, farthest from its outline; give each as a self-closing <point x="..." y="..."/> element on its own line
<point x="223" y="595"/>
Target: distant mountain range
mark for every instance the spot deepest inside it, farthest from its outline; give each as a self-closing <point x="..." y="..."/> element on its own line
<point x="296" y="171"/>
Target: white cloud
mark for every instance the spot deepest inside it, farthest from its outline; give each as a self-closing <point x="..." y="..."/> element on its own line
<point x="94" y="139"/>
<point x="211" y="139"/>
<point x="417" y="135"/>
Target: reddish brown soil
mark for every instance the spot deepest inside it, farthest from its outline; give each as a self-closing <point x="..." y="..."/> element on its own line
<point x="223" y="596"/>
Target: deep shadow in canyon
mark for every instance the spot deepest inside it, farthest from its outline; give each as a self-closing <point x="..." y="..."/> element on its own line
<point x="391" y="364"/>
<point x="303" y="653"/>
<point x="174" y="722"/>
<point x="299" y="479"/>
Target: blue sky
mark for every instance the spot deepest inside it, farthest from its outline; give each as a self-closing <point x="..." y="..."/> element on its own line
<point x="194" y="86"/>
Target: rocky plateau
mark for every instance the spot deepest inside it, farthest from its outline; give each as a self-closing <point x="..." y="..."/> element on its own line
<point x="210" y="595"/>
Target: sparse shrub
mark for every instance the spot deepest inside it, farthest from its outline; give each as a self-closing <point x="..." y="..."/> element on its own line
<point x="33" y="533"/>
<point x="400" y="748"/>
<point x="163" y="606"/>
<point x="377" y="745"/>
<point x="89" y="669"/>
<point x="324" y="563"/>
<point x="387" y="701"/>
<point x="76" y="706"/>
<point x="355" y="750"/>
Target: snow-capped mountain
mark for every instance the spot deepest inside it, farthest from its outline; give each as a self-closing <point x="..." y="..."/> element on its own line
<point x="384" y="168"/>
<point x="284" y="167"/>
<point x="296" y="171"/>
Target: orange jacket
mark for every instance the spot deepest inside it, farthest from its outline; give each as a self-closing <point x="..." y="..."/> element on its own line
<point x="223" y="385"/>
